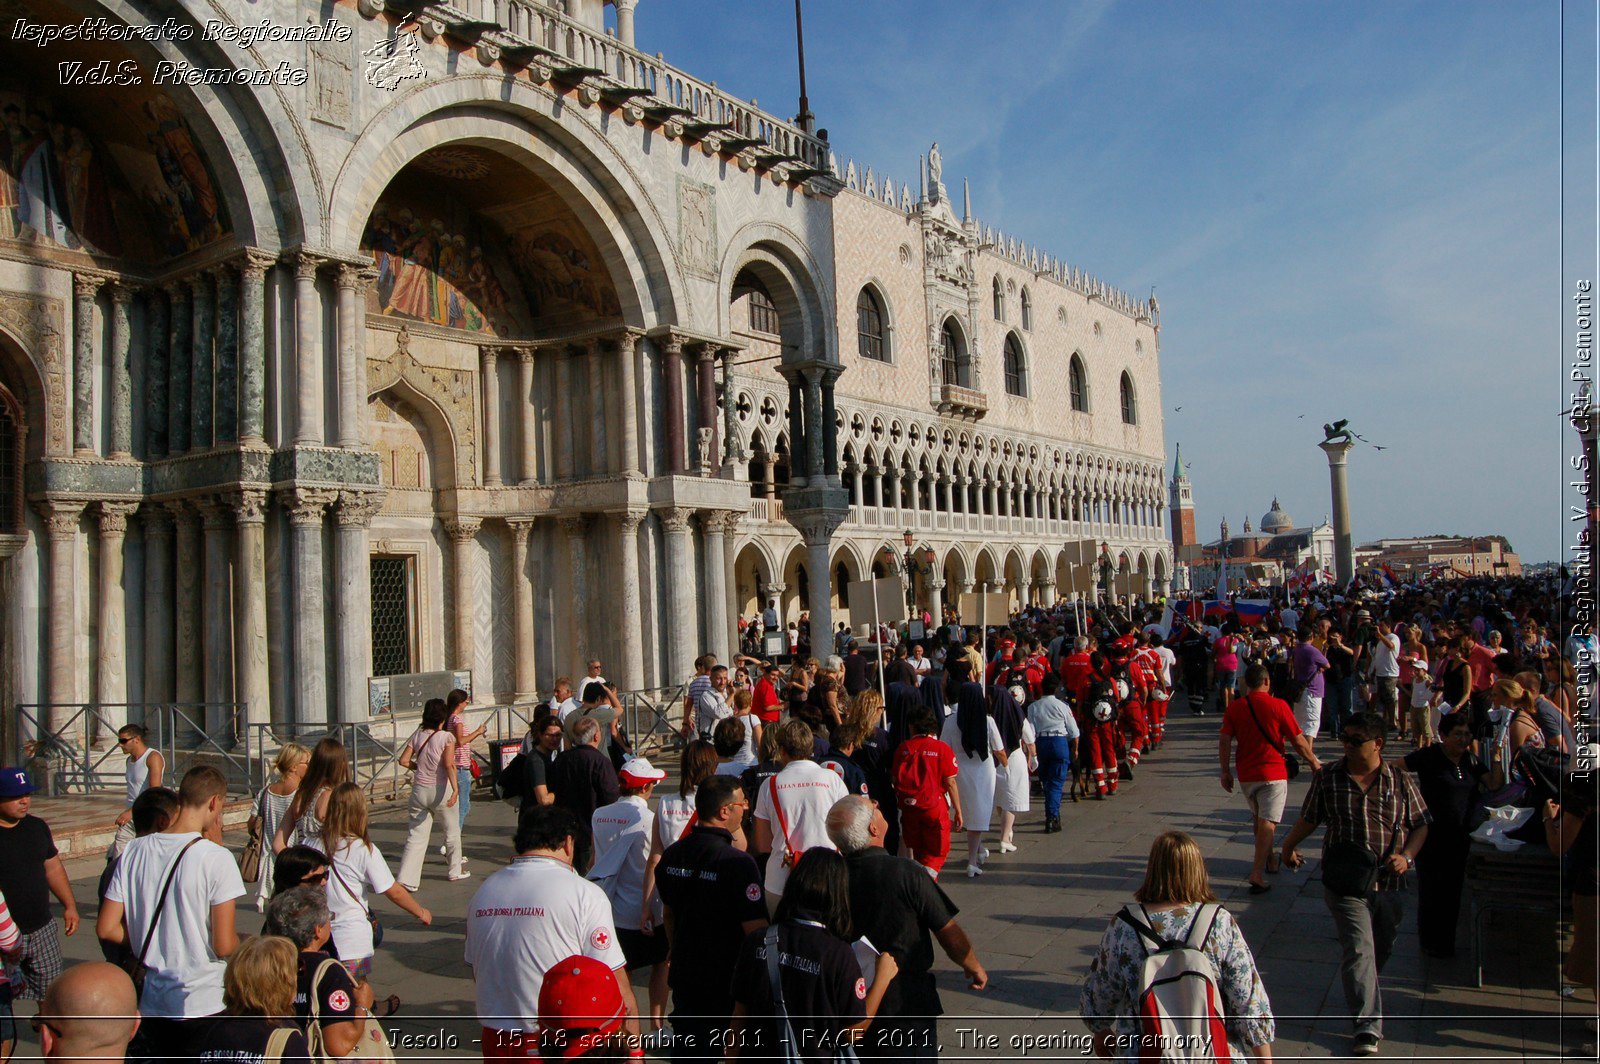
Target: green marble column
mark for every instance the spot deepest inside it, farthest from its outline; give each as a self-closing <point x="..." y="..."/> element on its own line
<point x="202" y="367"/>
<point x="156" y="324"/>
<point x="84" y="290"/>
<point x="178" y="369"/>
<point x="253" y="346"/>
<point x="121" y="383"/>
<point x="227" y="416"/>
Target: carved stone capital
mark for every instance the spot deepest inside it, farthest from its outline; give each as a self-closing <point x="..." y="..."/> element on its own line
<point x="86" y="285"/>
<point x="306" y="266"/>
<point x="489" y="355"/>
<point x="520" y="529"/>
<point x="675" y="520"/>
<point x="671" y="344"/>
<point x="213" y="513"/>
<point x="356" y="508"/>
<point x="936" y="585"/>
<point x="60" y="517"/>
<point x="573" y="524"/>
<point x="816" y="526"/>
<point x="157" y="521"/>
<point x="306" y="505"/>
<point x="122" y="292"/>
<point x="525" y="355"/>
<point x="630" y="520"/>
<point x="462" y="529"/>
<point x="355" y="277"/>
<point x="114" y="516"/>
<point x="249" y="506"/>
<point x="256" y="263"/>
<point x="199" y="282"/>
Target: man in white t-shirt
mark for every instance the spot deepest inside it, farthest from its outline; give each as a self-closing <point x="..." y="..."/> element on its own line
<point x="1386" y="674"/>
<point x="562" y="701"/>
<point x="194" y="931"/>
<point x="920" y="665"/>
<point x="792" y="807"/>
<point x="711" y="703"/>
<point x="530" y="915"/>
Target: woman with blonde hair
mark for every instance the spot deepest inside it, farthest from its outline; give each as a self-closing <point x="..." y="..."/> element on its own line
<point x="258" y="988"/>
<point x="328" y="767"/>
<point x="356" y="870"/>
<point x="271" y="805"/>
<point x="1174" y="900"/>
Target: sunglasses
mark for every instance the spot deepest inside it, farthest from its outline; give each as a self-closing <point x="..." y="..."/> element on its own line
<point x="1354" y="740"/>
<point x="39" y="1023"/>
<point x="315" y="877"/>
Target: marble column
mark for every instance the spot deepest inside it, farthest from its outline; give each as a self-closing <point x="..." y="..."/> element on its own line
<point x="352" y="283"/>
<point x="84" y="351"/>
<point x="156" y="324"/>
<point x="935" y="603"/>
<point x="706" y="386"/>
<point x="574" y="524"/>
<point x="308" y="353"/>
<point x="629" y="351"/>
<point x="770" y="483"/>
<point x="306" y="508"/>
<point x="227" y="406"/>
<point x="217" y="619"/>
<point x="202" y="398"/>
<point x="730" y="413"/>
<point x="489" y="374"/>
<point x="522" y="601"/>
<point x="60" y="590"/>
<point x="830" y="428"/>
<point x="253" y="347"/>
<point x="1344" y="562"/>
<point x="178" y="382"/>
<point x="815" y="429"/>
<point x="188" y="688"/>
<point x="672" y="370"/>
<point x="817" y="539"/>
<point x="561" y="405"/>
<point x="158" y="602"/>
<point x="798" y="452"/>
<point x="712" y="527"/>
<point x="596" y="410"/>
<point x="630" y="676"/>
<point x="528" y="434"/>
<point x="352" y="602"/>
<point x="681" y="650"/>
<point x="462" y="531"/>
<point x="251" y="683"/>
<point x="111" y="662"/>
<point x="120" y="388"/>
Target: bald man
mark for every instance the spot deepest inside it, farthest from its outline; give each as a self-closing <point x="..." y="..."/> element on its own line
<point x="89" y="1013"/>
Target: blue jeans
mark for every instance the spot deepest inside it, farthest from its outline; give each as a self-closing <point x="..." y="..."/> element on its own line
<point x="1336" y="709"/>
<point x="1055" y="763"/>
<point x="464" y="780"/>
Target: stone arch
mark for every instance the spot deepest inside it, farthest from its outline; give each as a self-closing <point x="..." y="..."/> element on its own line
<point x="504" y="116"/>
<point x="753" y="569"/>
<point x="443" y="398"/>
<point x="844" y="567"/>
<point x="31" y="351"/>
<point x="793" y="278"/>
<point x="798" y="585"/>
<point x="985" y="568"/>
<point x="878" y="292"/>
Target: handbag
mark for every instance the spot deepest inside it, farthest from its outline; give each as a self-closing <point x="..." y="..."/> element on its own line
<point x="372" y="917"/>
<point x="250" y="856"/>
<point x="134" y="964"/>
<point x="372" y="1045"/>
<point x="1350" y="869"/>
<point x="1291" y="764"/>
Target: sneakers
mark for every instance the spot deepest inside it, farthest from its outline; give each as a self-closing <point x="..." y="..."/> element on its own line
<point x="456" y="877"/>
<point x="1366" y="1044"/>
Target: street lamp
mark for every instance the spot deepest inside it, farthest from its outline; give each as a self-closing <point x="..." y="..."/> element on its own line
<point x="908" y="566"/>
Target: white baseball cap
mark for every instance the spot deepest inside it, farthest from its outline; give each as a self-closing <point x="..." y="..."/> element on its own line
<point x="638" y="771"/>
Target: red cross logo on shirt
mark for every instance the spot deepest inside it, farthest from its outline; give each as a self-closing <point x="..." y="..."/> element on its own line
<point x="600" y="938"/>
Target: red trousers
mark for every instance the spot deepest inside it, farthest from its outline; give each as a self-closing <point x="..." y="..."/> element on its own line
<point x="1102" y="757"/>
<point x="1157" y="710"/>
<point x="926" y="835"/>
<point x="1135" y="729"/>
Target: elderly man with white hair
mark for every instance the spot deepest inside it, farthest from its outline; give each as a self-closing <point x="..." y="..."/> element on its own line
<point x="896" y="905"/>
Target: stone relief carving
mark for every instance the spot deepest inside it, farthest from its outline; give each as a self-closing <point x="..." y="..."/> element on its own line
<point x="36" y="323"/>
<point x="697" y="227"/>
<point x="451" y="390"/>
<point x="703" y="445"/>
<point x="332" y="70"/>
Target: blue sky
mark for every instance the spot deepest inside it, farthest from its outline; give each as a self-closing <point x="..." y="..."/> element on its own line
<point x="1347" y="210"/>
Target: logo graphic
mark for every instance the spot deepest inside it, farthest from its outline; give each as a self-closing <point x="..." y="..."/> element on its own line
<point x="338" y="1001"/>
<point x="753" y="892"/>
<point x="395" y="61"/>
<point x="861" y="990"/>
<point x="600" y="938"/>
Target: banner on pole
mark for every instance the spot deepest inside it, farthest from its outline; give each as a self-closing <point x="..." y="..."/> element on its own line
<point x="990" y="609"/>
<point x="887" y="592"/>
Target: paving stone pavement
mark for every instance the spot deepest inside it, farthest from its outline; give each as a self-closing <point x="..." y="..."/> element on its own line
<point x="1036" y="917"/>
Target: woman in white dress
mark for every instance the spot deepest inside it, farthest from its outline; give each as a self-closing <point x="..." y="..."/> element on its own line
<point x="1017" y="738"/>
<point x="972" y="734"/>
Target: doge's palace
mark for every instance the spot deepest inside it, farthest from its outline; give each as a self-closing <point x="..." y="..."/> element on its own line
<point x="354" y="339"/>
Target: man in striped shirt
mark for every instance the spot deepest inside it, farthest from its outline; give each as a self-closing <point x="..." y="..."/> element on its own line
<point x="1377" y="807"/>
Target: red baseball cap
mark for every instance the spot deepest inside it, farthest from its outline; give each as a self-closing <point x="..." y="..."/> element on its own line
<point x="580" y="1005"/>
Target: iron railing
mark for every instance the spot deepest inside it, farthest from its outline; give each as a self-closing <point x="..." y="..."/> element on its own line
<point x="71" y="746"/>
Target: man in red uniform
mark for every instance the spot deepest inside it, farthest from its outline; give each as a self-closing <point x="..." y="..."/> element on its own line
<point x="1076" y="671"/>
<point x="924" y="776"/>
<point x="1100" y="735"/>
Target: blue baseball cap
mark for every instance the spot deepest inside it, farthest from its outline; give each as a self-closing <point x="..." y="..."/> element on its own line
<point x="14" y="783"/>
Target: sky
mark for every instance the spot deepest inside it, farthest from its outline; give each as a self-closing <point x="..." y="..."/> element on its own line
<point x="1347" y="210"/>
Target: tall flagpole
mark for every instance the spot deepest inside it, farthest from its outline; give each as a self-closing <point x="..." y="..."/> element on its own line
<point x="805" y="119"/>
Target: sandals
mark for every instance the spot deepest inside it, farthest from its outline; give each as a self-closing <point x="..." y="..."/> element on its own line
<point x="1274" y="864"/>
<point x="391" y="1005"/>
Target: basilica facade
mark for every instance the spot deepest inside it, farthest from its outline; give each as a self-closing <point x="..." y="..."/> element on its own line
<point x="344" y="340"/>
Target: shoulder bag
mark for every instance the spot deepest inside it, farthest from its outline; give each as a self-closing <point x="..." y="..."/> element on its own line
<point x="789" y="856"/>
<point x="134" y="964"/>
<point x="277" y="1045"/>
<point x="372" y="1046"/>
<point x="790" y="1045"/>
<point x="1291" y="764"/>
<point x="250" y="856"/>
<point x="372" y="917"/>
<point x="1350" y="869"/>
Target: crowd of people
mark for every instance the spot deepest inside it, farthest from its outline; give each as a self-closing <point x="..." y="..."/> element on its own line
<point x="782" y="895"/>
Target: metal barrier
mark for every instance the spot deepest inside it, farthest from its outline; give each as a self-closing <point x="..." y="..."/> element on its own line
<point x="72" y="748"/>
<point x="371" y="747"/>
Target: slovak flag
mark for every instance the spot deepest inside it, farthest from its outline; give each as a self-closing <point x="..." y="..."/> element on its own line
<point x="1252" y="611"/>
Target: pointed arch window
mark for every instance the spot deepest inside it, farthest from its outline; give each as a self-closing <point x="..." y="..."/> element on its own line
<point x="1078" y="385"/>
<point x="1016" y="368"/>
<point x="953" y="356"/>
<point x="1027" y="310"/>
<point x="1130" y="408"/>
<point x="999" y="300"/>
<point x="871" y="341"/>
<point x="763" y="313"/>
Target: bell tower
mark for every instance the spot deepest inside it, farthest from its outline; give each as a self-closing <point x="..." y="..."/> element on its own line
<point x="1180" y="500"/>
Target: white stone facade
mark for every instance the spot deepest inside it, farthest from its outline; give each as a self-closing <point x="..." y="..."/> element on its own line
<point x="468" y="298"/>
